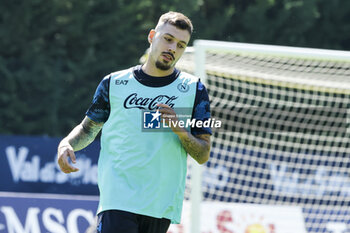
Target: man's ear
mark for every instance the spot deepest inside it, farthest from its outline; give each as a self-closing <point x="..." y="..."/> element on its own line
<point x="151" y="35"/>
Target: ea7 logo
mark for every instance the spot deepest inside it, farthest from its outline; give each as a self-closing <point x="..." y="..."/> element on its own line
<point x="121" y="82"/>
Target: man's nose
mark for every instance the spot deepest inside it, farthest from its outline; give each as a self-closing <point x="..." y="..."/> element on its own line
<point x="172" y="48"/>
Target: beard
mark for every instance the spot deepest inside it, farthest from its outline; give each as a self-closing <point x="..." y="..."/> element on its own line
<point x="163" y="66"/>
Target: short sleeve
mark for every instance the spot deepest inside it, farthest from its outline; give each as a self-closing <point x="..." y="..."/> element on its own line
<point x="201" y="110"/>
<point x="100" y="107"/>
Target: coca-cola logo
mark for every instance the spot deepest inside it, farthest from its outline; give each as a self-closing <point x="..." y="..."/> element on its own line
<point x="133" y="101"/>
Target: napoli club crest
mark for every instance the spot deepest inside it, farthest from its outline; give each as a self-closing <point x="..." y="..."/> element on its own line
<point x="183" y="87"/>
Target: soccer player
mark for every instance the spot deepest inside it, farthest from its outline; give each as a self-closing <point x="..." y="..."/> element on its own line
<point x="141" y="175"/>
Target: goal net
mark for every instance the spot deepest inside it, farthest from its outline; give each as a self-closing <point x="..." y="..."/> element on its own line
<point x="285" y="129"/>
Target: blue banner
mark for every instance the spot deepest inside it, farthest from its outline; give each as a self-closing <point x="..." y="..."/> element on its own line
<point x="41" y="213"/>
<point x="317" y="182"/>
<point x="333" y="220"/>
<point x="28" y="164"/>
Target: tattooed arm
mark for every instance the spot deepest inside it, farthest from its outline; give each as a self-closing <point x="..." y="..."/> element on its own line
<point x="197" y="146"/>
<point x="80" y="137"/>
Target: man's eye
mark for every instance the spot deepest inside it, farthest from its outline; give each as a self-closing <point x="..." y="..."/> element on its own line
<point x="167" y="39"/>
<point x="180" y="46"/>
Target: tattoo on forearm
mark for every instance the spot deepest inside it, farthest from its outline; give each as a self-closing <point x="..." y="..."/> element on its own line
<point x="197" y="147"/>
<point x="83" y="134"/>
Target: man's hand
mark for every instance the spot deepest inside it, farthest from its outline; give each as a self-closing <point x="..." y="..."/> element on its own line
<point x="197" y="146"/>
<point x="63" y="153"/>
<point x="80" y="137"/>
<point x="169" y="115"/>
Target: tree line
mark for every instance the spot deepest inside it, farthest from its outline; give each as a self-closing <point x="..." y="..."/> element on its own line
<point x="54" y="53"/>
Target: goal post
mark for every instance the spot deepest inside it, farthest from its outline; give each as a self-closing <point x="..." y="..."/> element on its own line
<point x="285" y="133"/>
<point x="196" y="184"/>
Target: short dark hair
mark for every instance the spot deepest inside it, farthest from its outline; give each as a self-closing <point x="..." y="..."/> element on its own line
<point x="176" y="19"/>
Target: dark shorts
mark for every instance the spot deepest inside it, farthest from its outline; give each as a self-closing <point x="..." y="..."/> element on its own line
<point x="117" y="221"/>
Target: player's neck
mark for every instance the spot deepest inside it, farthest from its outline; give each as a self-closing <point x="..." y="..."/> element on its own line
<point x="154" y="71"/>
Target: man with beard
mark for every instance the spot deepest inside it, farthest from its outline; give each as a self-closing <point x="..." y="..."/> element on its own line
<point x="141" y="175"/>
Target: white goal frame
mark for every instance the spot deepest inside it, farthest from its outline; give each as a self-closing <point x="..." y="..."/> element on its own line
<point x="200" y="49"/>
